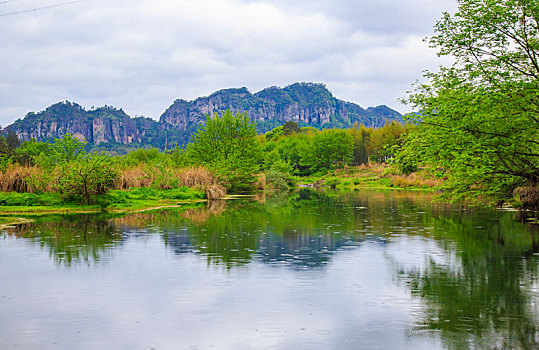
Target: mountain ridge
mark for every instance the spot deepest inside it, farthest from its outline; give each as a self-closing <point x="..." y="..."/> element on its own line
<point x="110" y="128"/>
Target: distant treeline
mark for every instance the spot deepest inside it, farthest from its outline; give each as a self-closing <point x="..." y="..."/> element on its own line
<point x="308" y="150"/>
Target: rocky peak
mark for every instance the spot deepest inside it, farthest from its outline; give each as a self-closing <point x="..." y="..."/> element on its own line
<point x="308" y="104"/>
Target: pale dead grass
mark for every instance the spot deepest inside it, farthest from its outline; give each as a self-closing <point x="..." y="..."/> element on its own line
<point x="15" y="178"/>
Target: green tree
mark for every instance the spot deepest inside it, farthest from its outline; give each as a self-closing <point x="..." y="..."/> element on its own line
<point x="87" y="176"/>
<point x="478" y="117"/>
<point x="290" y="127"/>
<point x="228" y="144"/>
<point x="30" y="151"/>
<point x="62" y="151"/>
<point x="332" y="149"/>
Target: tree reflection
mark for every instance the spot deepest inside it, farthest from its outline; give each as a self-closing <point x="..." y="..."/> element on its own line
<point x="482" y="297"/>
<point x="73" y="239"/>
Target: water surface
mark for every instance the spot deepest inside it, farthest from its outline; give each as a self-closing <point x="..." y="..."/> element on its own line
<point x="369" y="270"/>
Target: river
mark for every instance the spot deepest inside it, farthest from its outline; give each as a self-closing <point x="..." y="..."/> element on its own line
<point x="314" y="270"/>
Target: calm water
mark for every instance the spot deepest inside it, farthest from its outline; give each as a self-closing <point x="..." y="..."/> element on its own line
<point x="363" y="270"/>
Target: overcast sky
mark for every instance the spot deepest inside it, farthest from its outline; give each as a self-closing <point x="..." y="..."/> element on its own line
<point x="141" y="55"/>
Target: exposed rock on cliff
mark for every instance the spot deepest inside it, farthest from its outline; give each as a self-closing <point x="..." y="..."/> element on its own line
<point x="306" y="103"/>
<point x="112" y="129"/>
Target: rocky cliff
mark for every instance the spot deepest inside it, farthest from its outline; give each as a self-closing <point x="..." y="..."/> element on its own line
<point x="112" y="129"/>
<point x="306" y="103"/>
<point x="105" y="125"/>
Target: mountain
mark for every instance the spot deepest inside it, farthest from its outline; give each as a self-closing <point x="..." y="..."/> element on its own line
<point x="110" y="128"/>
<point x="103" y="128"/>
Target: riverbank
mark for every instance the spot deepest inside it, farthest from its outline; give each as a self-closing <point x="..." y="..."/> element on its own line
<point x="375" y="176"/>
<point x="13" y="204"/>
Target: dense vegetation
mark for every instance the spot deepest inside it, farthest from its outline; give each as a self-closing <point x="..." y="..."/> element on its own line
<point x="478" y="123"/>
<point x="477" y="129"/>
<point x="226" y="154"/>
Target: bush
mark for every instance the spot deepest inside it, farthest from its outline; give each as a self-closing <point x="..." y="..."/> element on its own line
<point x="86" y="177"/>
<point x="277" y="180"/>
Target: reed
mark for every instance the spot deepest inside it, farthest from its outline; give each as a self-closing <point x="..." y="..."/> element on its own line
<point x="163" y="177"/>
<point x="15" y="178"/>
<point x="195" y="176"/>
<point x="215" y="191"/>
<point x="134" y="177"/>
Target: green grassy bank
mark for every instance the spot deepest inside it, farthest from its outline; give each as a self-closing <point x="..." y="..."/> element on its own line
<point x="376" y="176"/>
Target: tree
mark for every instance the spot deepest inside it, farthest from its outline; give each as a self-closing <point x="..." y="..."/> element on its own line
<point x="87" y="176"/>
<point x="30" y="151"/>
<point x="290" y="127"/>
<point x="478" y="120"/>
<point x="62" y="151"/>
<point x="332" y="149"/>
<point x="228" y="145"/>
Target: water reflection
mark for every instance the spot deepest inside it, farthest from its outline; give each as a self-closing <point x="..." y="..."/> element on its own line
<point x="485" y="294"/>
<point x="73" y="239"/>
<point x="476" y="281"/>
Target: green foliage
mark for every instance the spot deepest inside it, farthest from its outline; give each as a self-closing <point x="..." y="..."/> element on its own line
<point x="333" y="182"/>
<point x="278" y="180"/>
<point x="274" y="133"/>
<point x="87" y="176"/>
<point x="180" y="158"/>
<point x="30" y="199"/>
<point x="478" y="119"/>
<point x="331" y="149"/>
<point x="407" y="161"/>
<point x="144" y="156"/>
<point x="318" y="151"/>
<point x="8" y="146"/>
<point x="30" y="152"/>
<point x="61" y="152"/>
<point x="227" y="144"/>
<point x="148" y="193"/>
<point x="5" y="161"/>
<point x="290" y="127"/>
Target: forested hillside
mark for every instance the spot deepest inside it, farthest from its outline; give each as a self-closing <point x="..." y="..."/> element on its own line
<point x="109" y="128"/>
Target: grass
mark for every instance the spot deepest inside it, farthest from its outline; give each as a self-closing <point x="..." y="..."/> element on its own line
<point x="379" y="176"/>
<point x="116" y="201"/>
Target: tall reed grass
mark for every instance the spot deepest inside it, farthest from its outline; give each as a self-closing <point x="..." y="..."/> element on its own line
<point x="32" y="179"/>
<point x="16" y="178"/>
<point x="163" y="177"/>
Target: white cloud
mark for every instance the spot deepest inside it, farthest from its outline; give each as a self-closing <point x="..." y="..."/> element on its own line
<point x="142" y="54"/>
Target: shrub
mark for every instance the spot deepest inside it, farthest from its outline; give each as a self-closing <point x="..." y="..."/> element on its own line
<point x="87" y="176"/>
<point x="332" y="182"/>
<point x="277" y="180"/>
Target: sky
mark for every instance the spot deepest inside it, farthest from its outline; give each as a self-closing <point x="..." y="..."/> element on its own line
<point x="141" y="55"/>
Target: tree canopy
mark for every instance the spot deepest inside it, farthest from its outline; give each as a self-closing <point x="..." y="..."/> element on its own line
<point x="478" y="121"/>
<point x="227" y="144"/>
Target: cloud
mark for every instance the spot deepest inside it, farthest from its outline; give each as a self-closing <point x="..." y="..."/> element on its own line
<point x="142" y="54"/>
